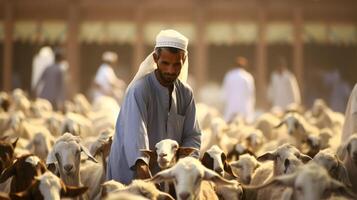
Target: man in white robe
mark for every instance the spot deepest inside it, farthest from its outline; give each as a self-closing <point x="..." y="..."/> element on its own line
<point x="106" y="82"/>
<point x="239" y="92"/>
<point x="350" y="125"/>
<point x="283" y="89"/>
<point x="41" y="61"/>
<point x="158" y="105"/>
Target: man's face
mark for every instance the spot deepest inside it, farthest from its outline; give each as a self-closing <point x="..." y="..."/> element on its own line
<point x="169" y="65"/>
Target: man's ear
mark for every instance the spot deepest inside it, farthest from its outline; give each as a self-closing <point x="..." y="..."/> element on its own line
<point x="156" y="57"/>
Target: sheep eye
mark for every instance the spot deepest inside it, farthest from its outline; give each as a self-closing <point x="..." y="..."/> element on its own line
<point x="174" y="147"/>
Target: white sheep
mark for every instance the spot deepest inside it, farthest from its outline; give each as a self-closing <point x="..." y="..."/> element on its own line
<point x="327" y="159"/>
<point x="309" y="182"/>
<point x="41" y="144"/>
<point x="349" y="158"/>
<point x="65" y="156"/>
<point x="48" y="187"/>
<point x="188" y="175"/>
<point x="246" y="166"/>
<point x="215" y="159"/>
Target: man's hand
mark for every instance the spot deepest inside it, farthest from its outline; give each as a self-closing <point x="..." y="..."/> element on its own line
<point x="142" y="170"/>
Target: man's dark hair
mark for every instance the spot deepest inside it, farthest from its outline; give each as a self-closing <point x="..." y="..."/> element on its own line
<point x="170" y="49"/>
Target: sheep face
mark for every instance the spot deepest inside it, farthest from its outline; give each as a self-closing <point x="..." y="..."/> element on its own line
<point x="246" y="166"/>
<point x="286" y="159"/>
<point x="41" y="145"/>
<point x="187" y="176"/>
<point x="255" y="139"/>
<point x="215" y="153"/>
<point x="68" y="156"/>
<point x="166" y="153"/>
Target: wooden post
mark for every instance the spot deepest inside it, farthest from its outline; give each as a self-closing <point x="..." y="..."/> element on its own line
<point x="73" y="50"/>
<point x="139" y="44"/>
<point x="200" y="62"/>
<point x="8" y="45"/>
<point x="298" y="55"/>
<point x="261" y="57"/>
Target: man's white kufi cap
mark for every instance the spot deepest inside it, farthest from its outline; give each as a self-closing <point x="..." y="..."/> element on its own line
<point x="171" y="38"/>
<point x="109" y="56"/>
<point x="166" y="38"/>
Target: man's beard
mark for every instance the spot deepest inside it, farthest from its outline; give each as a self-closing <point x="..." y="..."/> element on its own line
<point x="167" y="78"/>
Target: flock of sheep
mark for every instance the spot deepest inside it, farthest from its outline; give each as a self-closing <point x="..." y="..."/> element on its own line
<point x="293" y="155"/>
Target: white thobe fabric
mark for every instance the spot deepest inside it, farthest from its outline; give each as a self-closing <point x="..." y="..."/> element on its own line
<point x="283" y="90"/>
<point x="105" y="78"/>
<point x="239" y="94"/>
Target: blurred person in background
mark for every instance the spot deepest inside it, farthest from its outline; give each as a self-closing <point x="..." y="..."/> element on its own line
<point x="338" y="90"/>
<point x="43" y="59"/>
<point x="239" y="92"/>
<point x="283" y="89"/>
<point x="106" y="82"/>
<point x="53" y="80"/>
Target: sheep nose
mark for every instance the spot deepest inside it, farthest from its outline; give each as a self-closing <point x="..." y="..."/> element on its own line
<point x="162" y="154"/>
<point x="184" y="195"/>
<point x="68" y="167"/>
<point x="249" y="179"/>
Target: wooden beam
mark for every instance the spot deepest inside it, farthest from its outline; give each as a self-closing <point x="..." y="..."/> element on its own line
<point x="8" y="45"/>
<point x="73" y="50"/>
<point x="298" y="48"/>
<point x="261" y="58"/>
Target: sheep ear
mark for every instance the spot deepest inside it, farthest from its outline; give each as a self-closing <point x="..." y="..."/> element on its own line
<point x="213" y="176"/>
<point x="86" y="151"/>
<point x="186" y="151"/>
<point x="279" y="125"/>
<point x="72" y="191"/>
<point x="7" y="173"/>
<point x="227" y="167"/>
<point x="51" y="159"/>
<point x="164" y="196"/>
<point x="305" y="158"/>
<point x="207" y="161"/>
<point x="149" y="153"/>
<point x="14" y="143"/>
<point x="339" y="187"/>
<point x="162" y="176"/>
<point x="235" y="164"/>
<point x="267" y="156"/>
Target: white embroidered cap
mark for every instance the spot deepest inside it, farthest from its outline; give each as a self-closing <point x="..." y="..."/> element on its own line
<point x="109" y="56"/>
<point x="171" y="38"/>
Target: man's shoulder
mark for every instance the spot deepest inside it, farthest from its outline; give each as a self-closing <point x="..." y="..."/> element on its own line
<point x="140" y="86"/>
<point x="185" y="87"/>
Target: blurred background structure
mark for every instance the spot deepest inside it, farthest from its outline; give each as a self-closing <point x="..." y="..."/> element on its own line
<point x="318" y="38"/>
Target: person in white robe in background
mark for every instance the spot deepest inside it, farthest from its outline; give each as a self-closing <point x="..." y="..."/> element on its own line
<point x="239" y="92"/>
<point x="283" y="89"/>
<point x="106" y="82"/>
<point x="41" y="61"/>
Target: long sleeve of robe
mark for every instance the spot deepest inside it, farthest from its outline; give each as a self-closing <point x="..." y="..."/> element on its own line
<point x="145" y="119"/>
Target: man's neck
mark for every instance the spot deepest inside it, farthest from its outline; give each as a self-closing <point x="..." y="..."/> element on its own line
<point x="170" y="86"/>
